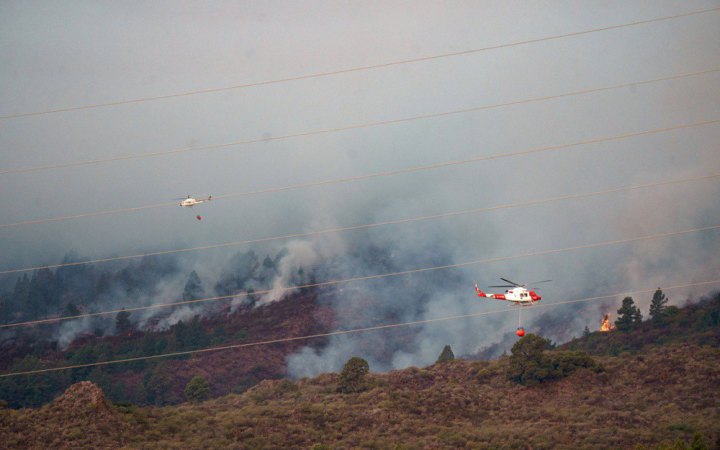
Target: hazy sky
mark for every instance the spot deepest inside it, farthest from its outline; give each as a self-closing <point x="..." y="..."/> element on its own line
<point x="66" y="54"/>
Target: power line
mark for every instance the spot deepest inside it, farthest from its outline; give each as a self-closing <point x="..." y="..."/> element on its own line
<point x="351" y="331"/>
<point x="345" y="128"/>
<point x="355" y="69"/>
<point x="389" y="173"/>
<point x="373" y="225"/>
<point x="366" y="278"/>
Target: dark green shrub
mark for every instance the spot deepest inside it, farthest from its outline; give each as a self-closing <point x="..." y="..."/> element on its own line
<point x="526" y="360"/>
<point x="447" y="355"/>
<point x="531" y="363"/>
<point x="197" y="389"/>
<point x="352" y="377"/>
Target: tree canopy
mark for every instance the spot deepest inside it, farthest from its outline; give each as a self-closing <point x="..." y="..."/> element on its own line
<point x="122" y="322"/>
<point x="531" y="365"/>
<point x="629" y="315"/>
<point x="197" y="389"/>
<point x="193" y="288"/>
<point x="352" y="377"/>
<point x="658" y="306"/>
<point x="446" y="355"/>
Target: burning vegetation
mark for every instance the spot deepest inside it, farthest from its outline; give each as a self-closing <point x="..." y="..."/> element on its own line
<point x="606" y="325"/>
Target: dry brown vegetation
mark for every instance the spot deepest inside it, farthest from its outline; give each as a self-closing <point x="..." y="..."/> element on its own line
<point x="654" y="398"/>
<point x="80" y="418"/>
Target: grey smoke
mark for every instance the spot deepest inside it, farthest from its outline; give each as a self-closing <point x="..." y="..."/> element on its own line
<point x="56" y="56"/>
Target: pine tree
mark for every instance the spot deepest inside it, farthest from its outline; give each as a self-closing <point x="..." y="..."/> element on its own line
<point x="20" y="295"/>
<point x="193" y="287"/>
<point x="268" y="263"/>
<point x="637" y="317"/>
<point x="180" y="332"/>
<point x="628" y="315"/>
<point x="197" y="389"/>
<point x="446" y="355"/>
<point x="196" y="336"/>
<point x="658" y="306"/>
<point x="122" y="322"/>
<point x="586" y="332"/>
<point x="42" y="298"/>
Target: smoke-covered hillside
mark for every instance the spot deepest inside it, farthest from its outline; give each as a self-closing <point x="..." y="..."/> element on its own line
<point x="252" y="298"/>
<point x="388" y="155"/>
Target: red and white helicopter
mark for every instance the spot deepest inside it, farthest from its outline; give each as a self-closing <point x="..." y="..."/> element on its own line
<point x="189" y="202"/>
<point x="517" y="295"/>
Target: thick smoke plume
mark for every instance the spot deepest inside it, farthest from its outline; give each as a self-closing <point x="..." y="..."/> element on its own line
<point x="52" y="66"/>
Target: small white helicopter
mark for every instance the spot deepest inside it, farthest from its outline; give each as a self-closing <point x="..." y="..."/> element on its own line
<point x="518" y="295"/>
<point x="189" y="202"/>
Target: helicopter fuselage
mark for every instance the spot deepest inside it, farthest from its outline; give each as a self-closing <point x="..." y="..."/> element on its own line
<point x="190" y="201"/>
<point x="517" y="295"/>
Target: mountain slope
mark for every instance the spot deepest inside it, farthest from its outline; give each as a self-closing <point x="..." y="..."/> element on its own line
<point x="162" y="381"/>
<point x="665" y="393"/>
<point x="657" y="384"/>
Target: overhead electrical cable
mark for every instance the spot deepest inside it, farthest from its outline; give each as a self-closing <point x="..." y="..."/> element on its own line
<point x="351" y="331"/>
<point x="358" y="68"/>
<point x="388" y="173"/>
<point x="524" y="204"/>
<point x="367" y="277"/>
<point x="237" y="143"/>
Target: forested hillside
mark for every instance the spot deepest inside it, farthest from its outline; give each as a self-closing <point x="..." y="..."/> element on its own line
<point x="83" y="289"/>
<point x="696" y="323"/>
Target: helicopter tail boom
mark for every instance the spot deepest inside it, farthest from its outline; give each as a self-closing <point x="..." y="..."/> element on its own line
<point x="480" y="293"/>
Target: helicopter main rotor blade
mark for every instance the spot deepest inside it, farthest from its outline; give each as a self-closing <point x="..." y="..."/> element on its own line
<point x="503" y="285"/>
<point x="512" y="282"/>
<point x="538" y="282"/>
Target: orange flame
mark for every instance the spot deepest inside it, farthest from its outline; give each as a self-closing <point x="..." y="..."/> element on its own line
<point x="606" y="325"/>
